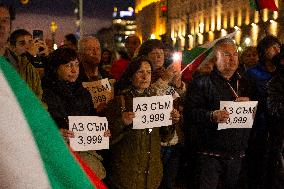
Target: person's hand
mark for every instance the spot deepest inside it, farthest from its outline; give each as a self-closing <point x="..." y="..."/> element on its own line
<point x="42" y="49"/>
<point x="67" y="134"/>
<point x="176" y="81"/>
<point x="107" y="133"/>
<point x="101" y="106"/>
<point x="175" y="116"/>
<point x="169" y="74"/>
<point x="242" y="99"/>
<point x="38" y="48"/>
<point x="127" y="117"/>
<point x="220" y="116"/>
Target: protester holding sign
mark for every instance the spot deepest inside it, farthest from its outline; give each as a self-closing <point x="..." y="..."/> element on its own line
<point x="167" y="81"/>
<point x="135" y="153"/>
<point x="65" y="96"/>
<point x="275" y="101"/>
<point x="90" y="69"/>
<point x="219" y="152"/>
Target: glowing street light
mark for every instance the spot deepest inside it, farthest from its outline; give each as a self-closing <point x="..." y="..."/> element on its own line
<point x="53" y="28"/>
<point x="153" y="36"/>
<point x="247" y="41"/>
<point x="24" y="2"/>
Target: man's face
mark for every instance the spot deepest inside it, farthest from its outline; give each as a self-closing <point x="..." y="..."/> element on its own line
<point x="132" y="45"/>
<point x="272" y="51"/>
<point x="227" y="59"/>
<point x="5" y="26"/>
<point x="250" y="57"/>
<point x="91" y="51"/>
<point x="24" y="44"/>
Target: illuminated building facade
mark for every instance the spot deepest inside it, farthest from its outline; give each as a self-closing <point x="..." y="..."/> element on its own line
<point x="192" y="22"/>
<point x="124" y="24"/>
<point x="150" y="22"/>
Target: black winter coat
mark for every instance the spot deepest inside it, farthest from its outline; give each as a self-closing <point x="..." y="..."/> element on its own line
<point x="203" y="96"/>
<point x="275" y="104"/>
<point x="67" y="99"/>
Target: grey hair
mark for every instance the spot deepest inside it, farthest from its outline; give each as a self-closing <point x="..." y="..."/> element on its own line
<point x="85" y="39"/>
<point x="224" y="41"/>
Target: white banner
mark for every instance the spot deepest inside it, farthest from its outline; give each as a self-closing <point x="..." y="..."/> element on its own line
<point x="101" y="91"/>
<point x="89" y="133"/>
<point x="241" y="114"/>
<point x="152" y="111"/>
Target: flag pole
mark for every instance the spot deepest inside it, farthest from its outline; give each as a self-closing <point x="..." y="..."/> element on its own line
<point x="261" y="17"/>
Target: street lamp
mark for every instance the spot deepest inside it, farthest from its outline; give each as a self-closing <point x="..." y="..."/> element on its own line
<point x="24" y="2"/>
<point x="53" y="28"/>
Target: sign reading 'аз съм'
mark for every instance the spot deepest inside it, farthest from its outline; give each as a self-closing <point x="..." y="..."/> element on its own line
<point x="241" y="114"/>
<point x="152" y="111"/>
<point x="89" y="133"/>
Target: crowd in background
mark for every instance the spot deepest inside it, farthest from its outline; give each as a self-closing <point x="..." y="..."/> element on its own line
<point x="190" y="153"/>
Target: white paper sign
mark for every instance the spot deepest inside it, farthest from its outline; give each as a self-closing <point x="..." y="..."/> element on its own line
<point x="101" y="91"/>
<point x="89" y="133"/>
<point x="241" y="114"/>
<point x="152" y="111"/>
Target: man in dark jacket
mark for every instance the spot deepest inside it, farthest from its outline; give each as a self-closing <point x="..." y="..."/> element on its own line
<point x="219" y="152"/>
<point x="261" y="74"/>
<point x="275" y="103"/>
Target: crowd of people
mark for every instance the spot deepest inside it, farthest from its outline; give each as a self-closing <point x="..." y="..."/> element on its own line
<point x="190" y="153"/>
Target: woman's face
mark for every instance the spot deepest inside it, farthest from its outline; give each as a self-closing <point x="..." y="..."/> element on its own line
<point x="106" y="56"/>
<point x="142" y="78"/>
<point x="156" y="57"/>
<point x="69" y="72"/>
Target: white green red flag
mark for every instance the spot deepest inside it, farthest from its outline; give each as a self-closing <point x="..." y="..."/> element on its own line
<point x="191" y="59"/>
<point x="263" y="4"/>
<point x="33" y="153"/>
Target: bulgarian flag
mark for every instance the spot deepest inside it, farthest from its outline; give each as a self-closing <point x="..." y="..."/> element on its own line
<point x="33" y="154"/>
<point x="263" y="4"/>
<point x="191" y="59"/>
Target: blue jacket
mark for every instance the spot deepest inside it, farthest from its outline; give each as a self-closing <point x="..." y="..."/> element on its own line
<point x="260" y="77"/>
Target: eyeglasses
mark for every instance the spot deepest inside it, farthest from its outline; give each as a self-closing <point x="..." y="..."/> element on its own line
<point x="228" y="54"/>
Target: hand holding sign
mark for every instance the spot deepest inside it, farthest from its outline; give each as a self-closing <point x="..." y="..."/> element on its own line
<point x="90" y="133"/>
<point x="127" y="117"/>
<point x="152" y="111"/>
<point x="240" y="114"/>
<point x="220" y="116"/>
<point x="242" y="99"/>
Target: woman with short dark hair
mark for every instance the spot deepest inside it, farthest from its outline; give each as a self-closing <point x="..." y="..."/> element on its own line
<point x="65" y="96"/>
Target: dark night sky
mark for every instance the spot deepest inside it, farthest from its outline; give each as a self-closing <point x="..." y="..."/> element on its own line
<point x="38" y="14"/>
<point x="92" y="8"/>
